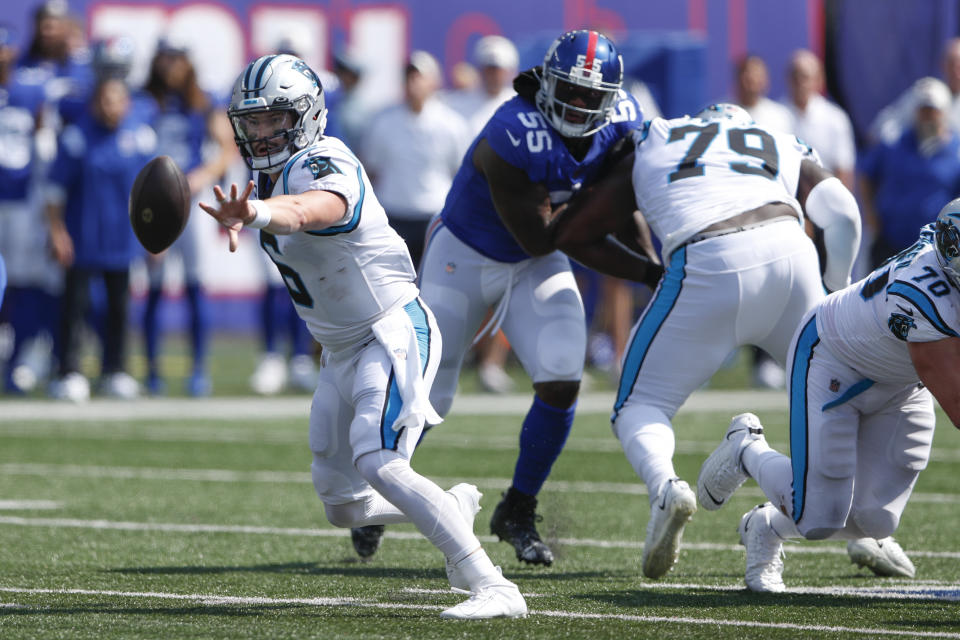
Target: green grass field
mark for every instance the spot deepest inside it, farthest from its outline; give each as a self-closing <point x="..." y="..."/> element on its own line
<point x="197" y="519"/>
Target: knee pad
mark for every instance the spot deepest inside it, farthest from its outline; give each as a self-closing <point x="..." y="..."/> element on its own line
<point x="561" y="350"/>
<point x="345" y="515"/>
<point x="382" y="468"/>
<point x="818" y="533"/>
<point x="876" y="523"/>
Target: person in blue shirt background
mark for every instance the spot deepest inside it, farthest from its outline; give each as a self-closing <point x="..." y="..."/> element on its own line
<point x="185" y="119"/>
<point x="904" y="183"/>
<point x="491" y="247"/>
<point x="88" y="188"/>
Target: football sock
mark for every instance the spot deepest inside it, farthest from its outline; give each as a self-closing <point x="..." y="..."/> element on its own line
<point x="151" y="327"/>
<point x="270" y="322"/>
<point x="199" y="325"/>
<point x="545" y="430"/>
<point x="432" y="510"/>
<point x="648" y="442"/>
<point x="772" y="471"/>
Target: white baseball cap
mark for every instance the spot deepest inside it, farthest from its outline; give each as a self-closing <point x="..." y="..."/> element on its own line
<point x="930" y="92"/>
<point x="495" y="51"/>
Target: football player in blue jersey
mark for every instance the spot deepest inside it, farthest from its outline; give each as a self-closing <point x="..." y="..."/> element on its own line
<point x="491" y="247"/>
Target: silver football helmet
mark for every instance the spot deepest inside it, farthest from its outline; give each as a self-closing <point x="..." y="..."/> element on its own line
<point x="946" y="237"/>
<point x="726" y="111"/>
<point x="276" y="109"/>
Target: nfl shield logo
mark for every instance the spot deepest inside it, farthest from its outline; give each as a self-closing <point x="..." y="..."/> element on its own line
<point x="834" y="385"/>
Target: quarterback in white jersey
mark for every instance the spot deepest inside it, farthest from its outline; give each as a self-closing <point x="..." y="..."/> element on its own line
<point x="726" y="199"/>
<point x="862" y="368"/>
<point x="352" y="281"/>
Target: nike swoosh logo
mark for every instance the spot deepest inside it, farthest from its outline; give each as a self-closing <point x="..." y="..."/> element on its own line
<point x="515" y="141"/>
<point x="715" y="501"/>
<point x="909" y="312"/>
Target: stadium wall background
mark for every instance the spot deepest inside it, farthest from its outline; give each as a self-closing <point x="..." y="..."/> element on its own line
<point x="685" y="50"/>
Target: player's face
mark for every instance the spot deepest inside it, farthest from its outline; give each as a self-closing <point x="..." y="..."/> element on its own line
<point x="111" y="103"/>
<point x="266" y="131"/>
<point x="577" y="96"/>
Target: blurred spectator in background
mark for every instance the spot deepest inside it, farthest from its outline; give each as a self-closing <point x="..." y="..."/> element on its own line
<point x="279" y="321"/>
<point x="35" y="278"/>
<point x="349" y="112"/>
<point x="904" y="183"/>
<point x="890" y="123"/>
<point x="817" y="121"/>
<point x="22" y="232"/>
<point x="412" y="152"/>
<point x="496" y="60"/>
<point x="194" y="131"/>
<point x="752" y="85"/>
<point x="89" y="185"/>
<point x="464" y="77"/>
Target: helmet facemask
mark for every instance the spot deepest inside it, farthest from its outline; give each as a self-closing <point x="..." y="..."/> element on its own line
<point x="555" y="100"/>
<point x="947" y="240"/>
<point x="580" y="83"/>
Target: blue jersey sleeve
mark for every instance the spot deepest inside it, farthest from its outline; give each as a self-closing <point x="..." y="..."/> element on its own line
<point x="506" y="136"/>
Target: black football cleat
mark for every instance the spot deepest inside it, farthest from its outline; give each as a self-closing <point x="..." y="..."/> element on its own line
<point x="366" y="540"/>
<point x="514" y="521"/>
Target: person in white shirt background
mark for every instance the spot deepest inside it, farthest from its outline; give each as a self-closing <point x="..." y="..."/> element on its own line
<point x="496" y="61"/>
<point x="817" y="121"/>
<point x="412" y="151"/>
<point x="752" y="85"/>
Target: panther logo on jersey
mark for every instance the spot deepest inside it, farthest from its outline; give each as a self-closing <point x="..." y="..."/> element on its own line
<point x="900" y="325"/>
<point x="320" y="167"/>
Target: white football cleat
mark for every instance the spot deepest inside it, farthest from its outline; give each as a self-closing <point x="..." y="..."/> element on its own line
<point x="72" y="387"/>
<point x="722" y="472"/>
<point x="270" y="376"/>
<point x="764" y="550"/>
<point x="674" y="507"/>
<point x="496" y="601"/>
<point x="468" y="501"/>
<point x="120" y="385"/>
<point x="884" y="557"/>
<point x="303" y="373"/>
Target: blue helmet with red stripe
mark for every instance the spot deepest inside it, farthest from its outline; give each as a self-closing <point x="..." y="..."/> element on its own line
<point x="581" y="77"/>
<point x="284" y="95"/>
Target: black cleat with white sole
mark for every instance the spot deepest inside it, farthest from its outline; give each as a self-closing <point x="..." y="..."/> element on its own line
<point x="514" y="521"/>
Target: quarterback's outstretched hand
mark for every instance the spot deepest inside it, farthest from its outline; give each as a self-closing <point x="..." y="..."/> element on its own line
<point x="232" y="213"/>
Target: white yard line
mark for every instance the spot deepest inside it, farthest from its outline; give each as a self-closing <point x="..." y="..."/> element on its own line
<point x="175" y="527"/>
<point x="29" y="505"/>
<point x="221" y="600"/>
<point x="252" y="408"/>
<point x="297" y="477"/>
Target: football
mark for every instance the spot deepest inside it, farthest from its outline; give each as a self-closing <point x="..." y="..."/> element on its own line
<point x="159" y="204"/>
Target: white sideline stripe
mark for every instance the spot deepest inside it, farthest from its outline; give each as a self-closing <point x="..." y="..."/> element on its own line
<point x="813" y="548"/>
<point x="252" y="408"/>
<point x="33" y="505"/>
<point x="303" y="477"/>
<point x="219" y="600"/>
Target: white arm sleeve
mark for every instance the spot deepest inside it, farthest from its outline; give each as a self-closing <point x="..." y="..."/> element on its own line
<point x="833" y="208"/>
